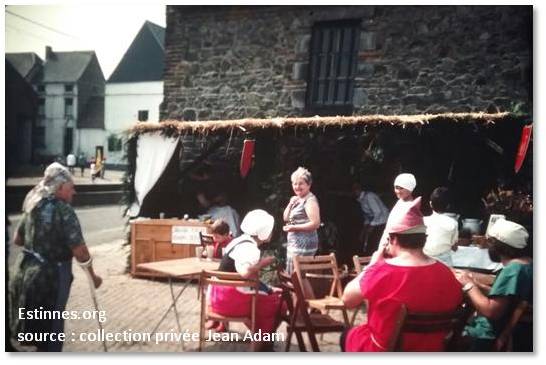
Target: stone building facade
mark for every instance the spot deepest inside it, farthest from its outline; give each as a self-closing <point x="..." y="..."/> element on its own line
<point x="230" y="62"/>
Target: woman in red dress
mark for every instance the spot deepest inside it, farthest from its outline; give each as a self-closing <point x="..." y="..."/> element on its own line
<point x="243" y="256"/>
<point x="400" y="273"/>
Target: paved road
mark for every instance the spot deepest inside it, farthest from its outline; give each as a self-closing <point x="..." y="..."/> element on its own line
<point x="100" y="225"/>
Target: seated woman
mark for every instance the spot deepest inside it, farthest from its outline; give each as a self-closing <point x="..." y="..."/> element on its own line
<point x="242" y="255"/>
<point x="513" y="283"/>
<point x="406" y="276"/>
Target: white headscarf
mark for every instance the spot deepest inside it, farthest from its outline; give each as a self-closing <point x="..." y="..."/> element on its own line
<point x="54" y="176"/>
<point x="406" y="181"/>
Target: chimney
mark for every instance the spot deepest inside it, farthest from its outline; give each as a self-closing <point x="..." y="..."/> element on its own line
<point x="49" y="54"/>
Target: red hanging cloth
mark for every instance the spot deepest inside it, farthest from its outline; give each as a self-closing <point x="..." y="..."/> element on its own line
<point x="246" y="157"/>
<point x="523" y="145"/>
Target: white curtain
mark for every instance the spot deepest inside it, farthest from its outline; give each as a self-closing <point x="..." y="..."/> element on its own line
<point x="154" y="152"/>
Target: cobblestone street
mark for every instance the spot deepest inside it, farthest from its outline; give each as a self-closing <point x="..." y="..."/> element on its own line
<point x="136" y="305"/>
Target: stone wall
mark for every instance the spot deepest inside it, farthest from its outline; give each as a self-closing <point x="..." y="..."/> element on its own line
<point x="233" y="62"/>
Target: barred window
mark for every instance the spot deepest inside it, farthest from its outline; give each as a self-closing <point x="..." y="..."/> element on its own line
<point x="68" y="107"/>
<point x="333" y="58"/>
<point x="142" y="115"/>
<point x="114" y="143"/>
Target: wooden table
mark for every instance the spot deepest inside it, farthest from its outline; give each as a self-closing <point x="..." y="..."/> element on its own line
<point x="187" y="268"/>
<point x="153" y="240"/>
<point x="181" y="268"/>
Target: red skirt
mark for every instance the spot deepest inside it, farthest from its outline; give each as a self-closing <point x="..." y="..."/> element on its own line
<point x="228" y="301"/>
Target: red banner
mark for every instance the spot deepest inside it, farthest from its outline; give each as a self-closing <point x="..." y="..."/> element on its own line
<point x="246" y="157"/>
<point x="523" y="145"/>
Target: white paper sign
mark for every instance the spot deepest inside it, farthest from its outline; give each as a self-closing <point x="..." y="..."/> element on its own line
<point x="186" y="234"/>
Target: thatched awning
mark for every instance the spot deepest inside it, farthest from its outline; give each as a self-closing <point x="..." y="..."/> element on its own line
<point x="206" y="127"/>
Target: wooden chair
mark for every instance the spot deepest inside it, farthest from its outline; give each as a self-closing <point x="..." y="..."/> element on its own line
<point x="452" y="323"/>
<point x="225" y="279"/>
<point x="523" y="313"/>
<point x="299" y="317"/>
<point x="206" y="239"/>
<point x="360" y="262"/>
<point x="288" y="308"/>
<point x="314" y="267"/>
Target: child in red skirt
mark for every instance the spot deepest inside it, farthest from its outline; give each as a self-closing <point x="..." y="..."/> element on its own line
<point x="222" y="237"/>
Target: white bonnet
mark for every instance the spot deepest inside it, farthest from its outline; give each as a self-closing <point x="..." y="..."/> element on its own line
<point x="406" y="181"/>
<point x="258" y="223"/>
<point x="510" y="233"/>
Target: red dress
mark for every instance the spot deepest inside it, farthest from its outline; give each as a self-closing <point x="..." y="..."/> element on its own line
<point x="430" y="288"/>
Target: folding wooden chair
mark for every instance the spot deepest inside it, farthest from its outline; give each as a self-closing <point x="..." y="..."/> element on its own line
<point x="452" y="323"/>
<point x="225" y="279"/>
<point x="360" y="262"/>
<point x="300" y="319"/>
<point x="523" y="313"/>
<point x="288" y="308"/>
<point x="314" y="267"/>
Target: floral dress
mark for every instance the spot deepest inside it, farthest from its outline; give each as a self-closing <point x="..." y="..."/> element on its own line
<point x="300" y="243"/>
<point x="43" y="271"/>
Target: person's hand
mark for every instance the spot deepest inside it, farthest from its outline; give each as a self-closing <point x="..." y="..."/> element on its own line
<point x="266" y="261"/>
<point x="293" y="201"/>
<point x="288" y="228"/>
<point x="464" y="277"/>
<point x="97" y="281"/>
<point x="381" y="253"/>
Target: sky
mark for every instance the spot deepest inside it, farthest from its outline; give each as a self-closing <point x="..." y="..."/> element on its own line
<point x="106" y="29"/>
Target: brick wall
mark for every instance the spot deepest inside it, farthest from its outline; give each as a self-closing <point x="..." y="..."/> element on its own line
<point x="227" y="62"/>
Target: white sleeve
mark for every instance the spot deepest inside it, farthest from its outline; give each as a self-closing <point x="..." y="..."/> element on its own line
<point x="245" y="255"/>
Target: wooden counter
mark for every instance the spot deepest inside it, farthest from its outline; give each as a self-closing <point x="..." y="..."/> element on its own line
<point x="152" y="240"/>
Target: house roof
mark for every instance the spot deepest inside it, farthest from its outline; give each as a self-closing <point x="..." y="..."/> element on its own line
<point x="93" y="113"/>
<point x="24" y="63"/>
<point x="144" y="59"/>
<point x="66" y="66"/>
<point x="18" y="87"/>
<point x="158" y="32"/>
<point x="206" y="127"/>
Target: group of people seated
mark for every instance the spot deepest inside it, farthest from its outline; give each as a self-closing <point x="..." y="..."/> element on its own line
<point x="410" y="266"/>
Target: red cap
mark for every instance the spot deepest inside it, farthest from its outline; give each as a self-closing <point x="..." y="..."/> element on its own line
<point x="407" y="219"/>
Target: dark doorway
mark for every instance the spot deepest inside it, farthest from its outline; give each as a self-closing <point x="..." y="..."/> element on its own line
<point x="68" y="141"/>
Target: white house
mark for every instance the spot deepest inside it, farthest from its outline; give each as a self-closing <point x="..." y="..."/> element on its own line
<point x="134" y="91"/>
<point x="70" y="88"/>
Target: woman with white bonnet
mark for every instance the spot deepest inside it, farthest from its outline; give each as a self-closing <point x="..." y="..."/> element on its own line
<point x="242" y="255"/>
<point x="50" y="234"/>
<point x="302" y="218"/>
<point x="508" y="242"/>
<point x="404" y="184"/>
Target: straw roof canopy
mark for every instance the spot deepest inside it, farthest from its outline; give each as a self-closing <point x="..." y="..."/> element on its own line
<point x="173" y="127"/>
